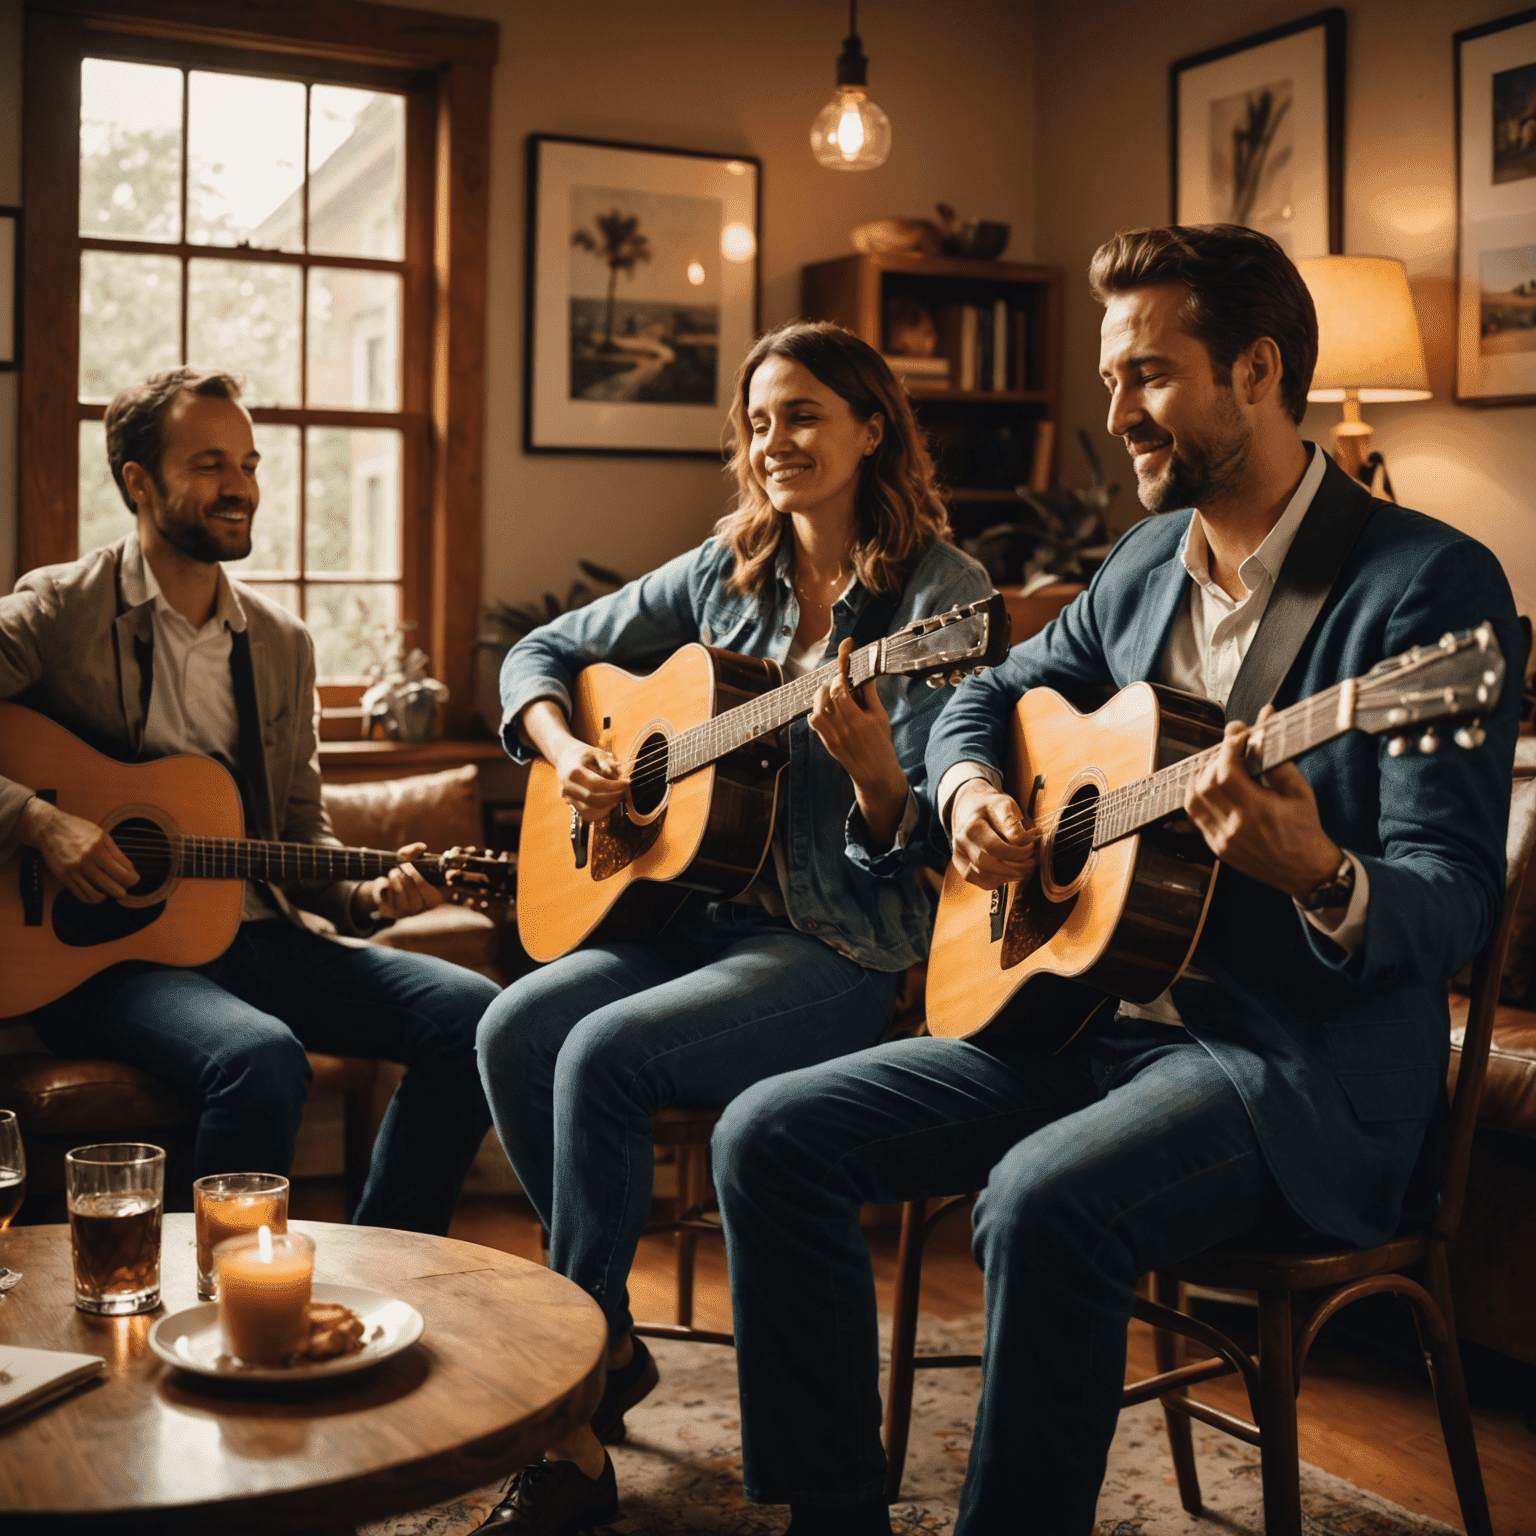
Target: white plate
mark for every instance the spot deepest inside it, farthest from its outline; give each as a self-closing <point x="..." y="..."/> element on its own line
<point x="191" y="1341"/>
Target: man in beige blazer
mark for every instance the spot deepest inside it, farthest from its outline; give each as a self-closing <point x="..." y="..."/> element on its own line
<point x="147" y="648"/>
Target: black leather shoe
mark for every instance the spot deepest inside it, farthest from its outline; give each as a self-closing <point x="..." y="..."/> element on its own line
<point x="626" y="1386"/>
<point x="555" y="1498"/>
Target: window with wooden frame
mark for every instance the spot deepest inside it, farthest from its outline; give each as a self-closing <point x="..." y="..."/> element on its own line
<point x="285" y="198"/>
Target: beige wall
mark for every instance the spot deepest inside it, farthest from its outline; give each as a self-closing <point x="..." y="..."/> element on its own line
<point x="1102" y="143"/>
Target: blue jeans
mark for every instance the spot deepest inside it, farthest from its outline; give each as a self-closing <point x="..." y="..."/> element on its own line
<point x="577" y="1056"/>
<point x="1129" y="1151"/>
<point x="234" y="1033"/>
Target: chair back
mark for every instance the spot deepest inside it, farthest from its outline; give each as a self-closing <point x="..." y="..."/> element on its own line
<point x="1487" y="972"/>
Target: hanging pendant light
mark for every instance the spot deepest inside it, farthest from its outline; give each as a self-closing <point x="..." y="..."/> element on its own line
<point x="851" y="133"/>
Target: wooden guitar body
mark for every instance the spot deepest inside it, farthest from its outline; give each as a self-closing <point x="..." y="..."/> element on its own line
<point x="708" y="831"/>
<point x="1032" y="961"/>
<point x="51" y="942"/>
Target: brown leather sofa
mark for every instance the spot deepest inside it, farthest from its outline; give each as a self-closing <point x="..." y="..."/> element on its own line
<point x="1493" y="1263"/>
<point x="63" y="1103"/>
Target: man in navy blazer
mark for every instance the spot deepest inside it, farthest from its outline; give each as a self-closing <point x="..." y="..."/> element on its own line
<point x="1294" y="1076"/>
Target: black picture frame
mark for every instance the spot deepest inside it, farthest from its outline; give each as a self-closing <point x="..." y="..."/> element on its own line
<point x="1492" y="216"/>
<point x="1324" y="234"/>
<point x="557" y="419"/>
<point x="10" y="288"/>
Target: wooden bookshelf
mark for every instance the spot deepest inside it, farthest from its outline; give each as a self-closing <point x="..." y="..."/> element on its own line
<point x="854" y="290"/>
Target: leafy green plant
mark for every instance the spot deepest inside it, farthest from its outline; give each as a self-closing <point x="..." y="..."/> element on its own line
<point x="504" y="624"/>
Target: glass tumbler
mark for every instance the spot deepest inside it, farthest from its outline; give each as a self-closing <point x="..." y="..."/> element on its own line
<point x="13" y="1168"/>
<point x="116" y="1195"/>
<point x="230" y="1205"/>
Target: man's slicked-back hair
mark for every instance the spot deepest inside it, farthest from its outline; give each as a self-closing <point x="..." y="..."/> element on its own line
<point x="1241" y="287"/>
<point x="136" y="417"/>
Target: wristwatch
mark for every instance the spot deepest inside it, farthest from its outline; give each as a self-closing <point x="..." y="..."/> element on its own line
<point x="1332" y="890"/>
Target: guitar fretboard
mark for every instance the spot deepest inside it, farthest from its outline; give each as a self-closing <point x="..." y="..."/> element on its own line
<point x="1293" y="731"/>
<point x="703" y="744"/>
<point x="230" y="858"/>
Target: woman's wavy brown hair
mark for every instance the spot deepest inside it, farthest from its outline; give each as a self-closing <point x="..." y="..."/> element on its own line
<point x="899" y="512"/>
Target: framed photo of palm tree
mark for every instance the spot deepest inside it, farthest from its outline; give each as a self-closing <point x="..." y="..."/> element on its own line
<point x="1256" y="132"/>
<point x="642" y="295"/>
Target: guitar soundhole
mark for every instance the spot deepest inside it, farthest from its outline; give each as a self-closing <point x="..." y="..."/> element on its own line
<point x="1074" y="836"/>
<point x="648" y="786"/>
<point x="148" y="849"/>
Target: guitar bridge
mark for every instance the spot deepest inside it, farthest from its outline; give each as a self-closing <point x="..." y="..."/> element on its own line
<point x="999" y="912"/>
<point x="581" y="839"/>
<point x="31" y="875"/>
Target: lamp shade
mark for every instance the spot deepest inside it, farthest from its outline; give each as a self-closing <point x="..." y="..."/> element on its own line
<point x="1368" y="337"/>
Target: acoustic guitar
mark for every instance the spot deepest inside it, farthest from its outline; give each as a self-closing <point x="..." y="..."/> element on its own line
<point x="1124" y="880"/>
<point x="700" y="736"/>
<point x="180" y="823"/>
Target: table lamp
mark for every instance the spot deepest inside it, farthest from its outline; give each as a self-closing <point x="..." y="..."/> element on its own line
<point x="1369" y="351"/>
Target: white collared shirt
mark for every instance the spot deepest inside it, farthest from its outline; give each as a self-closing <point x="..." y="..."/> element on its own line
<point x="192" y="700"/>
<point x="1206" y="646"/>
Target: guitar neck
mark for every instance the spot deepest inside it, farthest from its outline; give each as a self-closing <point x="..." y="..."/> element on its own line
<point x="1287" y="735"/>
<point x="234" y="858"/>
<point x="703" y="744"/>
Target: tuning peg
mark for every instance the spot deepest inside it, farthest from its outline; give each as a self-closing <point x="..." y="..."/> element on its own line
<point x="1397" y="746"/>
<point x="937" y="680"/>
<point x="956" y="678"/>
<point x="1471" y="735"/>
<point x="1429" y="742"/>
<point x="977" y="671"/>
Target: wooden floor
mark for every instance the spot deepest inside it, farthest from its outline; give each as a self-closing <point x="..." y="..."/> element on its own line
<point x="1364" y="1420"/>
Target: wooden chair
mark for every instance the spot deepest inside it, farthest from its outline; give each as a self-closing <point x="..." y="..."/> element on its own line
<point x="1342" y="1275"/>
<point x="688" y="1131"/>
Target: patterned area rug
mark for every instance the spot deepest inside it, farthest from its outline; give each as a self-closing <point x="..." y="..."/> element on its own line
<point x="680" y="1469"/>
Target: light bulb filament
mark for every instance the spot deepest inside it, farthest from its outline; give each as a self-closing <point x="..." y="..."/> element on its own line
<point x="850" y="132"/>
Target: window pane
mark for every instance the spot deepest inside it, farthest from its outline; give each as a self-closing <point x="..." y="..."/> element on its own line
<point x="130" y="320"/>
<point x="354" y="339"/>
<point x="356" y="172"/>
<point x="352" y="511"/>
<point x="351" y="625"/>
<point x="245" y="161"/>
<point x="104" y="519"/>
<point x="244" y="316"/>
<point x="130" y="150"/>
<point x="275" y="530"/>
<point x="284" y="592"/>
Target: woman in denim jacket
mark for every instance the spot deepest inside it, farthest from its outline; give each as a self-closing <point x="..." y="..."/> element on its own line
<point x="836" y="510"/>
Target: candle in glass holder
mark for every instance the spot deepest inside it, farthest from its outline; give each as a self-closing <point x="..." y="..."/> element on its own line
<point x="228" y="1205"/>
<point x="264" y="1285"/>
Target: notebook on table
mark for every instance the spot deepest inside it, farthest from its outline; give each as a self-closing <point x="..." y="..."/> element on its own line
<point x="32" y="1377"/>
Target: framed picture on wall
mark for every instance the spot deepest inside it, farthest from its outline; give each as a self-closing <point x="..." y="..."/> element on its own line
<point x="1257" y="134"/>
<point x="642" y="295"/>
<point x="1496" y="212"/>
<point x="10" y="288"/>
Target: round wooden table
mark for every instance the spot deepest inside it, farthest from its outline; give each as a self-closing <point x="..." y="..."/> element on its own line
<point x="511" y="1360"/>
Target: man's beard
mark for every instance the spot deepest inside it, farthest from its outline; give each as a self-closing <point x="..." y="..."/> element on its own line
<point x="195" y="539"/>
<point x="1201" y="469"/>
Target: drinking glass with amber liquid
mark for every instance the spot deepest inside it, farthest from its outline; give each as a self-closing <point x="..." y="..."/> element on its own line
<point x="13" y="1168"/>
<point x="116" y="1195"/>
<point x="230" y="1205"/>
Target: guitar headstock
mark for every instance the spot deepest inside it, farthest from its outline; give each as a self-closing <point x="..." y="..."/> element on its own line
<point x="476" y="880"/>
<point x="948" y="645"/>
<point x="1458" y="678"/>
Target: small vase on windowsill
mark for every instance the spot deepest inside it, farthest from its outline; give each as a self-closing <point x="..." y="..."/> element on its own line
<point x="400" y="696"/>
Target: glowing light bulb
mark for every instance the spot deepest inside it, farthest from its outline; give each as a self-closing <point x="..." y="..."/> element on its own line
<point x="696" y="273"/>
<point x="737" y="242"/>
<point x="851" y="133"/>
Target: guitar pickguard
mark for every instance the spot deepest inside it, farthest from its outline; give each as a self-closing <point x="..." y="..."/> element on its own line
<point x="83" y="927"/>
<point x="1033" y="920"/>
<point x="617" y="842"/>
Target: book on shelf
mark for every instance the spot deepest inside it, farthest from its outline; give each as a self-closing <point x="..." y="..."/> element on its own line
<point x="918" y="367"/>
<point x="984" y="345"/>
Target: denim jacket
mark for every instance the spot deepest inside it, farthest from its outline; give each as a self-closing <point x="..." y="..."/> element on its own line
<point x="870" y="906"/>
